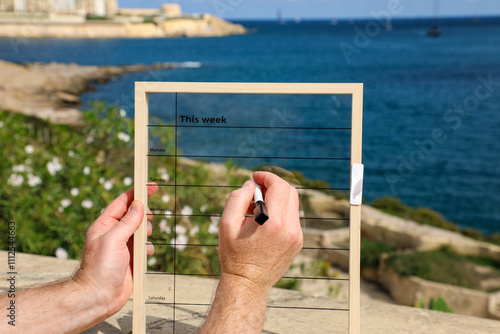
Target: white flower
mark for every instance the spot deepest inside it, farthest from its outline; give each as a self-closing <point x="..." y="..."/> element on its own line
<point x="89" y="140"/>
<point x="61" y="253"/>
<point x="86" y="170"/>
<point x="186" y="211"/>
<point x="1" y="124"/>
<point x="163" y="225"/>
<point x="33" y="180"/>
<point x="127" y="181"/>
<point x="108" y="185"/>
<point x="180" y="230"/>
<point x="204" y="208"/>
<point x="165" y="198"/>
<point x="123" y="137"/>
<point x="87" y="204"/>
<point x="194" y="231"/>
<point x="19" y="168"/>
<point x="162" y="171"/>
<point x="75" y="192"/>
<point x="215" y="219"/>
<point x="213" y="228"/>
<point x="65" y="203"/>
<point x="152" y="261"/>
<point x="54" y="166"/>
<point x="29" y="149"/>
<point x="123" y="113"/>
<point x="71" y="153"/>
<point x="102" y="180"/>
<point x="60" y="209"/>
<point x="168" y="214"/>
<point x="15" y="180"/>
<point x="179" y="242"/>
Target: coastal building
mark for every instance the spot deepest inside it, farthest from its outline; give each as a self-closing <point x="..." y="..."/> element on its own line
<point x="167" y="10"/>
<point x="81" y="7"/>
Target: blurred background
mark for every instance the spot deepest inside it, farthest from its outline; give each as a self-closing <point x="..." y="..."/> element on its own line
<point x="431" y="75"/>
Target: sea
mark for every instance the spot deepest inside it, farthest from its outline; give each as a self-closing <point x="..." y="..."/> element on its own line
<point x="431" y="123"/>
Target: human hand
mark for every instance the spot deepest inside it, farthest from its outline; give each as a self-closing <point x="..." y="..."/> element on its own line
<point x="258" y="256"/>
<point x="106" y="268"/>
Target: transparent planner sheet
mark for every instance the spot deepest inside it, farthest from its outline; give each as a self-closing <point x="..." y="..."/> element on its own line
<point x="202" y="146"/>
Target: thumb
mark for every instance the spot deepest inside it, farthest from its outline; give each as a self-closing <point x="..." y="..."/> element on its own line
<point x="238" y="203"/>
<point x="129" y="223"/>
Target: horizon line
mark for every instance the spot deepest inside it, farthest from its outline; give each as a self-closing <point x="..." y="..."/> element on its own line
<point x="442" y="17"/>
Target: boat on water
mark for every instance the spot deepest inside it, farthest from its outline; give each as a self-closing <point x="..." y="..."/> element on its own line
<point x="434" y="31"/>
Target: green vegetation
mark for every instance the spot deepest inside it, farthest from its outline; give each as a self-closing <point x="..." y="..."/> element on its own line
<point x="371" y="252"/>
<point x="438" y="304"/>
<point x="58" y="179"/>
<point x="98" y="18"/>
<point x="444" y="266"/>
<point x="393" y="206"/>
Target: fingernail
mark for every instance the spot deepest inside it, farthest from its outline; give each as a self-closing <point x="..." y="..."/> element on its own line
<point x="248" y="185"/>
<point x="135" y="207"/>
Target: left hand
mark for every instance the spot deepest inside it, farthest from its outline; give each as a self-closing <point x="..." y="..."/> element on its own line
<point x="106" y="268"/>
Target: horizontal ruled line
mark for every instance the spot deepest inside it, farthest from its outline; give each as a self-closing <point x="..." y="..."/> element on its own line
<point x="247" y="127"/>
<point x="284" y="277"/>
<point x="217" y="245"/>
<point x="237" y="187"/>
<point x="173" y="214"/>
<point x="268" y="306"/>
<point x="242" y="157"/>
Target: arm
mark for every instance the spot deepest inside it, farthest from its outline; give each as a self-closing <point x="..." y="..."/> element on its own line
<point x="253" y="257"/>
<point x="102" y="284"/>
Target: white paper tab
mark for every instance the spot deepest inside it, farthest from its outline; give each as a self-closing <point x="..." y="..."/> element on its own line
<point x="357" y="171"/>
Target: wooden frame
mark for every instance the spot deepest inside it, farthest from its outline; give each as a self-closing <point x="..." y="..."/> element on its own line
<point x="142" y="89"/>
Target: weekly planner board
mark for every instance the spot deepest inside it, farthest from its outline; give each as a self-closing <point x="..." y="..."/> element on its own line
<point x="197" y="142"/>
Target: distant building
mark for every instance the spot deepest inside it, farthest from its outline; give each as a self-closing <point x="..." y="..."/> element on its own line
<point x="81" y="7"/>
<point x="168" y="10"/>
<point x="171" y="10"/>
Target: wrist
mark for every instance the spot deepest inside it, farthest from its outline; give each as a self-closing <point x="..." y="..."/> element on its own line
<point x="239" y="307"/>
<point x="244" y="287"/>
<point x="91" y="296"/>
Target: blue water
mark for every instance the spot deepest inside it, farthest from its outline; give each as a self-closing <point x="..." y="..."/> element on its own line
<point x="416" y="145"/>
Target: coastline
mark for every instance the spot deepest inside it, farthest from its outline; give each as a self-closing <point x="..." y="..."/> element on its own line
<point x="52" y="91"/>
<point x="205" y="26"/>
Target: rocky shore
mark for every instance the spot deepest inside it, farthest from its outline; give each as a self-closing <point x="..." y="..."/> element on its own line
<point x="51" y="91"/>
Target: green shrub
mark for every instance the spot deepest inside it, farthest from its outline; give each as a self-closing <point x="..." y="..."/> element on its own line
<point x="391" y="205"/>
<point x="439" y="305"/>
<point x="442" y="265"/>
<point x="371" y="252"/>
<point x="57" y="179"/>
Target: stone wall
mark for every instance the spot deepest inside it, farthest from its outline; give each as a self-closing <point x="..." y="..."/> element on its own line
<point x="410" y="290"/>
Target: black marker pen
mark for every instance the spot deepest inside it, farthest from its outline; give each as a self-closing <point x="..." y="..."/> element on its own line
<point x="260" y="211"/>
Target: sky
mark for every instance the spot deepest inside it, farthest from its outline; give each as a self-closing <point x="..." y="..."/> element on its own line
<point x="309" y="9"/>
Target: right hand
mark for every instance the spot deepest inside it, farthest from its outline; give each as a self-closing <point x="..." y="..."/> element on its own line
<point x="258" y="256"/>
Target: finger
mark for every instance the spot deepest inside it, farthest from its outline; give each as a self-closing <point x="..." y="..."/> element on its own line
<point x="238" y="203"/>
<point x="127" y="225"/>
<point x="118" y="208"/>
<point x="150" y="229"/>
<point x="267" y="179"/>
<point x="150" y="249"/>
<point x="277" y="190"/>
